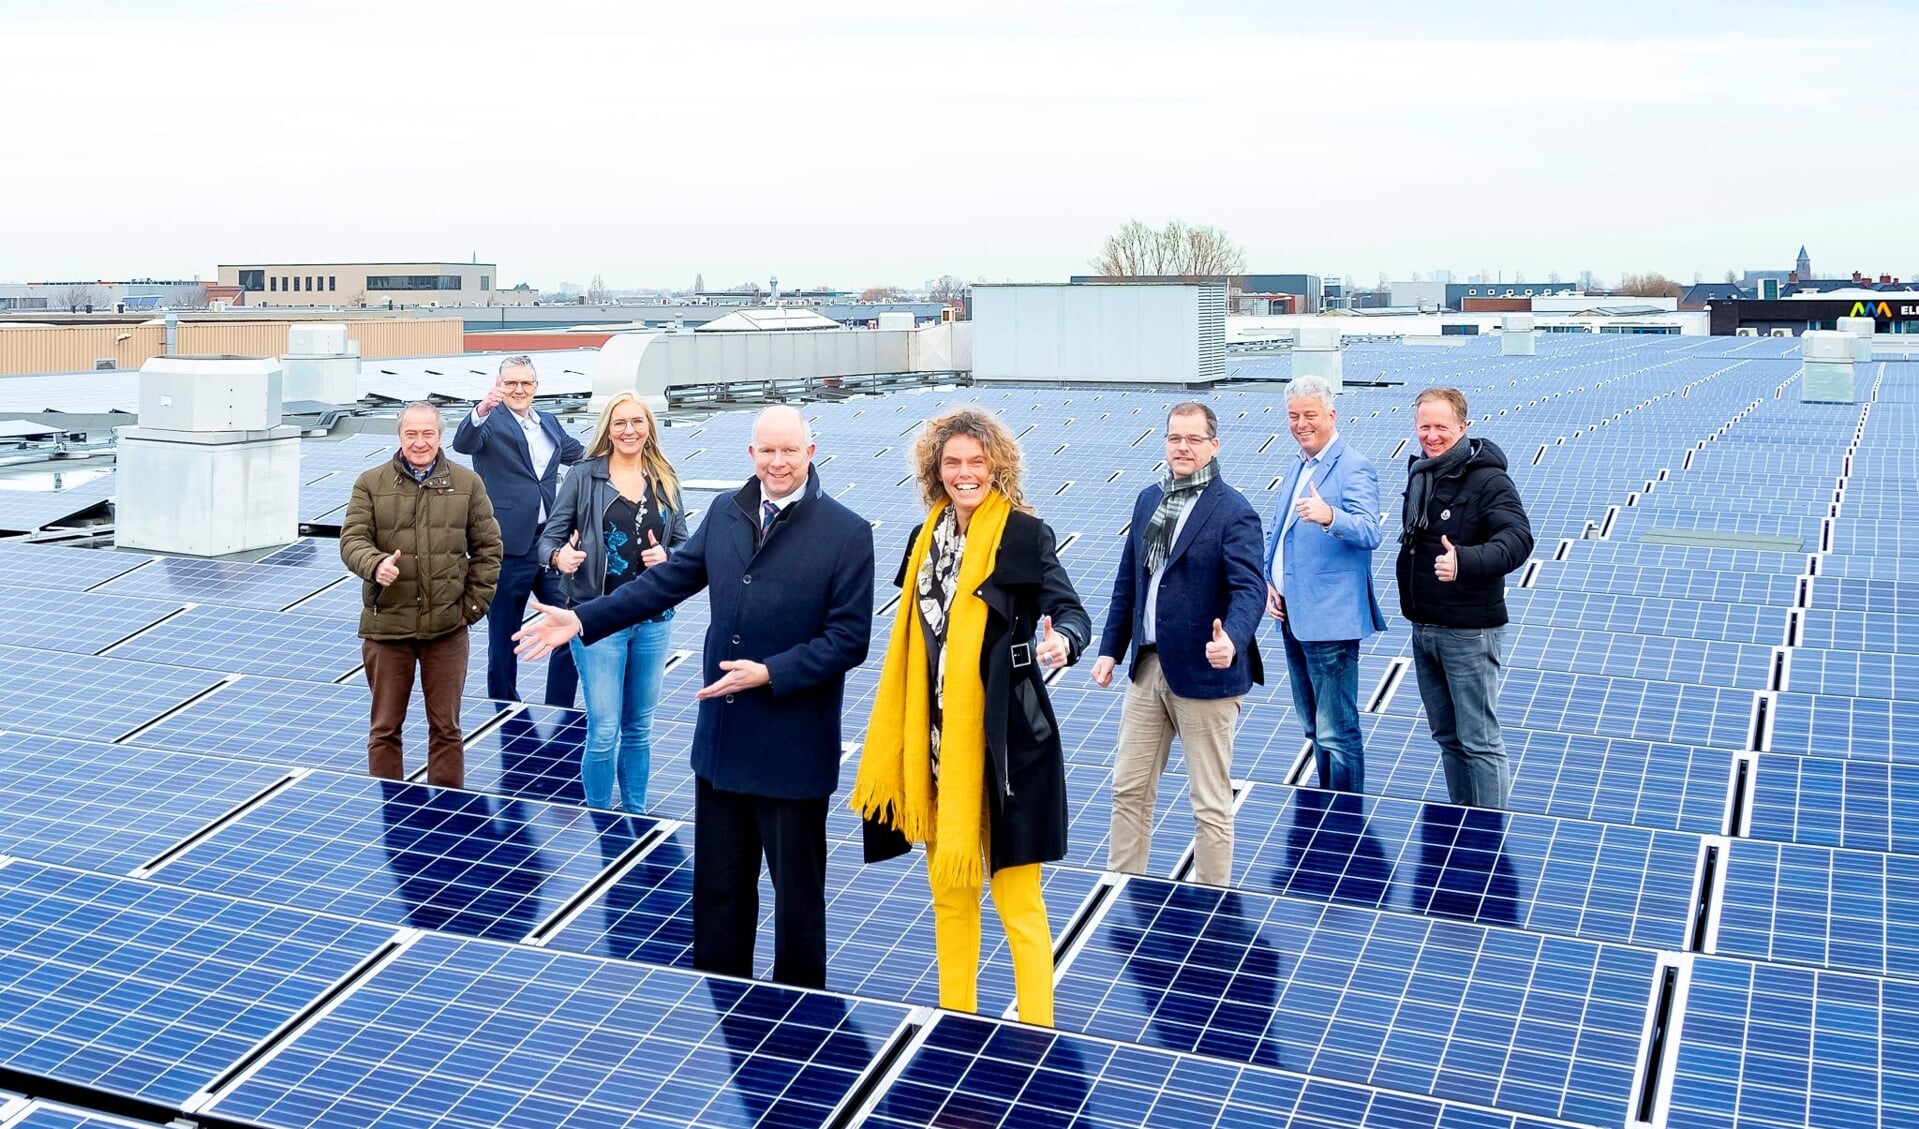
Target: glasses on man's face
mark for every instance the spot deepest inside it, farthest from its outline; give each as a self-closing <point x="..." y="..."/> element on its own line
<point x="518" y="385"/>
<point x="1188" y="440"/>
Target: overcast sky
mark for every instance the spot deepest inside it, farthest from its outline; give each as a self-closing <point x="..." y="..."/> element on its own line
<point x="856" y="143"/>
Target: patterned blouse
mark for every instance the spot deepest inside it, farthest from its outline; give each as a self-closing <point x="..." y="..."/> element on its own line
<point x="938" y="576"/>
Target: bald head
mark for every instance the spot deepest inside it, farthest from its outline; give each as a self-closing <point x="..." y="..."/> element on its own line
<point x="782" y="450"/>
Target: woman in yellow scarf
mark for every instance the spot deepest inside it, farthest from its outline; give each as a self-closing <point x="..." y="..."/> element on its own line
<point x="962" y="752"/>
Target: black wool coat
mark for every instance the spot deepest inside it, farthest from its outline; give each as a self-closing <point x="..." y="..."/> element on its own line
<point x="1025" y="762"/>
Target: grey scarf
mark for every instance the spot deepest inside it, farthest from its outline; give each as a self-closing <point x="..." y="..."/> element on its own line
<point x="1421" y="473"/>
<point x="1174" y="492"/>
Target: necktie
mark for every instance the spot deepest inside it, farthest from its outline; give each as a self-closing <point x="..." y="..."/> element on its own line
<point x="768" y="511"/>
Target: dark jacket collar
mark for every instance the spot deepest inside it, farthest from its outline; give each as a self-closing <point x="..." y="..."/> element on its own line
<point x="403" y="470"/>
<point x="747" y="498"/>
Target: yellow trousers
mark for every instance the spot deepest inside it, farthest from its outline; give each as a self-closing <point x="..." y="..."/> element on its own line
<point x="956" y="938"/>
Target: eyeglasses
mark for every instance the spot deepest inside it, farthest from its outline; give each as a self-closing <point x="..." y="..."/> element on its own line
<point x="627" y="425"/>
<point x="519" y="385"/>
<point x="1190" y="440"/>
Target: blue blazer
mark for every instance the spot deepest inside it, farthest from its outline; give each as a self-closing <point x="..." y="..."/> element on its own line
<point x="1329" y="572"/>
<point x="500" y="454"/>
<point x="801" y="602"/>
<point x="1213" y="572"/>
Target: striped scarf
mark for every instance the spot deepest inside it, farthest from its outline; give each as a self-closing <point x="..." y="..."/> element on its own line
<point x="1175" y="492"/>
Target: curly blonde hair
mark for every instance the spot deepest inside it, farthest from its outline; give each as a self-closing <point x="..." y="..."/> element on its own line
<point x="1003" y="460"/>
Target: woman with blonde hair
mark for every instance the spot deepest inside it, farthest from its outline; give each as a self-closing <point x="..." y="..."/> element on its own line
<point x="962" y="752"/>
<point x="618" y="514"/>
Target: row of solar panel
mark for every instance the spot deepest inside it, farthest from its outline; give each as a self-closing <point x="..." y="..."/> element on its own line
<point x="206" y="1004"/>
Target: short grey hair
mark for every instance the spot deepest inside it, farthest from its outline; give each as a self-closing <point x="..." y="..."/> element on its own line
<point x="423" y="406"/>
<point x="519" y="360"/>
<point x="1315" y="387"/>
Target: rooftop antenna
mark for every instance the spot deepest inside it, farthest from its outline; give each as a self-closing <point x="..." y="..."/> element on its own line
<point x="775" y="283"/>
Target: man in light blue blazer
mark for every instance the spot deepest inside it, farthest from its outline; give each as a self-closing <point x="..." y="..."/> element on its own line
<point x="1319" y="568"/>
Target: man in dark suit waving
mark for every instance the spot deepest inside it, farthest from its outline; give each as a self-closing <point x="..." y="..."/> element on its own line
<point x="788" y="574"/>
<point x="518" y="453"/>
<point x="1188" y="599"/>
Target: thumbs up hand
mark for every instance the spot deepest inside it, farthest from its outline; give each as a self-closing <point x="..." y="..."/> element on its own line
<point x="1220" y="649"/>
<point x="1313" y="508"/>
<point x="569" y="557"/>
<point x="1052" y="645"/>
<point x="388" y="570"/>
<point x="1446" y="564"/>
<point x="495" y="396"/>
<point x="654" y="553"/>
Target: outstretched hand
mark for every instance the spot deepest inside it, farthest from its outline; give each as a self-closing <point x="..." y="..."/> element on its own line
<point x="554" y="628"/>
<point x="741" y="674"/>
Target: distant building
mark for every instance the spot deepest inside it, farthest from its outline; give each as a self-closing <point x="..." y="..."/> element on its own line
<point x="1307" y="288"/>
<point x="107" y="297"/>
<point x="1457" y="292"/>
<point x="371" y="284"/>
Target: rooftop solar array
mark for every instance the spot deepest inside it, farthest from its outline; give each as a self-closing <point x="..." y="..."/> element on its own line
<point x="1700" y="910"/>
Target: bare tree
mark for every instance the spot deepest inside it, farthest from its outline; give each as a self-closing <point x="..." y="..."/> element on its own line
<point x="1178" y="250"/>
<point x="1732" y="276"/>
<point x="1651" y="284"/>
<point x="1553" y="278"/>
<point x="879" y="294"/>
<point x="77" y="297"/>
<point x="596" y="292"/>
<point x="947" y="288"/>
<point x="187" y="298"/>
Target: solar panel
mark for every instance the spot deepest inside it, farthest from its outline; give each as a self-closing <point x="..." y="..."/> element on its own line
<point x="1771" y="1046"/>
<point x="111" y="807"/>
<point x="310" y="724"/>
<point x="1842" y="909"/>
<point x="1858" y="674"/>
<point x="225" y="583"/>
<point x="1566" y="877"/>
<point x="1528" y="1024"/>
<point x="70" y="570"/>
<point x="149" y="992"/>
<point x="1836" y="803"/>
<point x="968" y="1071"/>
<point x="1590" y="703"/>
<point x="466" y="1033"/>
<point x="878" y="921"/>
<point x="78" y="622"/>
<point x="89" y="698"/>
<point x="48" y="1115"/>
<point x="24" y="511"/>
<point x="1824" y="725"/>
<point x="242" y="641"/>
<point x="307" y="552"/>
<point x="381" y="850"/>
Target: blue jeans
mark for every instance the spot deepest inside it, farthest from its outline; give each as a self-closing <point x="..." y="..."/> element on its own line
<point x="1458" y="670"/>
<point x="621" y="675"/>
<point x="1325" y="678"/>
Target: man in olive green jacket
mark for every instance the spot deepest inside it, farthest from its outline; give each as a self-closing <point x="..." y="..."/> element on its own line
<point x="420" y="533"/>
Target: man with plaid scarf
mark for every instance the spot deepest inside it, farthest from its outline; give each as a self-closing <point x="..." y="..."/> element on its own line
<point x="1187" y="600"/>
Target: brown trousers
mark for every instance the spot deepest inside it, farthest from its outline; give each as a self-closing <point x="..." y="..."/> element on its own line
<point x="389" y="674"/>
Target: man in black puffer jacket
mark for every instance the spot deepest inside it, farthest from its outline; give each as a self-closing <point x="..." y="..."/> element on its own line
<point x="1464" y="529"/>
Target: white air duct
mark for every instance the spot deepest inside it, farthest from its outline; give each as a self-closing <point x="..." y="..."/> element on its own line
<point x="1516" y="337"/>
<point x="1827" y="375"/>
<point x="1317" y="351"/>
<point x="321" y="364"/>
<point x="1862" y="330"/>
<point x="209" y="469"/>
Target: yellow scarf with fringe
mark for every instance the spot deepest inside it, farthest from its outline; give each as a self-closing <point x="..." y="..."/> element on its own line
<point x="895" y="782"/>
